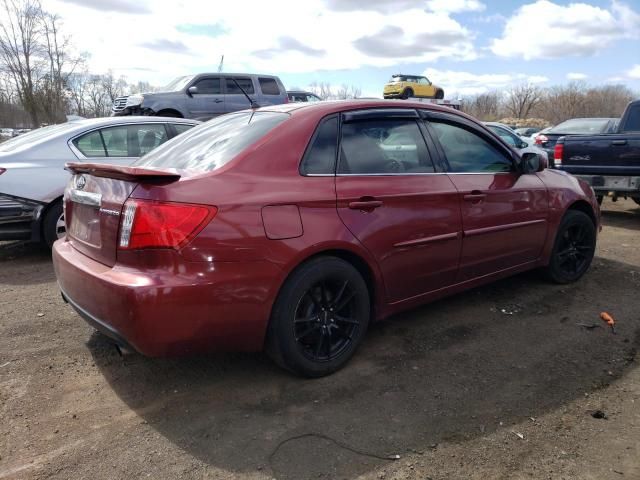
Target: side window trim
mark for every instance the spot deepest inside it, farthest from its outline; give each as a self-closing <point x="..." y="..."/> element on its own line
<point x="312" y="141"/>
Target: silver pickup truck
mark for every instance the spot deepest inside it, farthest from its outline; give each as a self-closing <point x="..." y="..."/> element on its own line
<point x="205" y="96"/>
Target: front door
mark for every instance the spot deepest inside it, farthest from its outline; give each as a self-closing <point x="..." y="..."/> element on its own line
<point x="235" y="99"/>
<point x="208" y="101"/>
<point x="504" y="212"/>
<point x="392" y="199"/>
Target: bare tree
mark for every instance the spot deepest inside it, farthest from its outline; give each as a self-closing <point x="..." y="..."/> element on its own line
<point x="20" y="36"/>
<point x="521" y="99"/>
<point x="484" y="106"/>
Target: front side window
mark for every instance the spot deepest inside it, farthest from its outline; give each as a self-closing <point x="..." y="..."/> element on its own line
<point x="468" y="152"/>
<point x="632" y="123"/>
<point x="320" y="157"/>
<point x="210" y="86"/>
<point x="148" y="137"/>
<point x="383" y="146"/>
<point x="182" y="127"/>
<point x="90" y="144"/>
<point x="245" y="83"/>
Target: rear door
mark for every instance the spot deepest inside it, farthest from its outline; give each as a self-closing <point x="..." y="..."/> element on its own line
<point x="504" y="213"/>
<point x="234" y="98"/>
<point x="208" y="101"/>
<point x="392" y="199"/>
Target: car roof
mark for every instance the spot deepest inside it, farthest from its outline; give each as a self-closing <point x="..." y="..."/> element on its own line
<point x="230" y="74"/>
<point x="327" y="107"/>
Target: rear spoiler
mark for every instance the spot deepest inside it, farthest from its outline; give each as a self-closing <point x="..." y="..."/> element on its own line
<point x="120" y="172"/>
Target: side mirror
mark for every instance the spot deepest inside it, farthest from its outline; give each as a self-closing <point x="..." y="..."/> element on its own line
<point x="533" y="162"/>
<point x="523" y="145"/>
<point x="192" y="90"/>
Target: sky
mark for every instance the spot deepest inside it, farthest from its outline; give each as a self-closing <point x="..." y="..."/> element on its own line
<point x="465" y="46"/>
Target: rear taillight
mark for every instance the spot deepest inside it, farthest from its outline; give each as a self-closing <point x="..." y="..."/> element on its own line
<point x="558" y="150"/>
<point x="149" y="224"/>
<point x="540" y="139"/>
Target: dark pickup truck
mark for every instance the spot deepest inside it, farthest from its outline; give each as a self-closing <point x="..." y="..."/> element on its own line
<point x="609" y="162"/>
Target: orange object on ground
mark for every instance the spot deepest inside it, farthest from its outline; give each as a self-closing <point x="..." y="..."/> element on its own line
<point x="609" y="319"/>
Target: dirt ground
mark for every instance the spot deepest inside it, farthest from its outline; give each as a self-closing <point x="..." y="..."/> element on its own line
<point x="500" y="382"/>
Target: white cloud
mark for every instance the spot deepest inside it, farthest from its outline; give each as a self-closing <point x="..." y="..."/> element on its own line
<point x="634" y="72"/>
<point x="544" y="29"/>
<point x="256" y="41"/>
<point x="455" y="6"/>
<point x="576" y="76"/>
<point x="467" y="83"/>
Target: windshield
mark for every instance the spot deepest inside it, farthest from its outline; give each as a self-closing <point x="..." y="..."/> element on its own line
<point x="178" y="84"/>
<point x="582" y="125"/>
<point x="33" y="136"/>
<point x="211" y="145"/>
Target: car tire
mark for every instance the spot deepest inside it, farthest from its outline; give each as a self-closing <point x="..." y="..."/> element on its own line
<point x="169" y="113"/>
<point x="573" y="248"/>
<point x="53" y="224"/>
<point x="319" y="318"/>
<point x="599" y="199"/>
<point x="406" y="93"/>
<point x="439" y="94"/>
<point x="637" y="200"/>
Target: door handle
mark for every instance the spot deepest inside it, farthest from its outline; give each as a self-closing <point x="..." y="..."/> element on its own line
<point x="217" y="100"/>
<point x="619" y="142"/>
<point x="475" y="196"/>
<point x="365" y="205"/>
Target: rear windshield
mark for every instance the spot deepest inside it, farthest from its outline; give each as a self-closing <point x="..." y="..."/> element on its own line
<point x="582" y="125"/>
<point x="27" y="139"/>
<point x="211" y="145"/>
<point x="398" y="78"/>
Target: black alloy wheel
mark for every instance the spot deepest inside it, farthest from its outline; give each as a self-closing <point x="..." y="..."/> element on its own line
<point x="319" y="318"/>
<point x="574" y="248"/>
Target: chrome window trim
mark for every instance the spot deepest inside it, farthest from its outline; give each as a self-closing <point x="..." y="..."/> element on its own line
<point x="403" y="174"/>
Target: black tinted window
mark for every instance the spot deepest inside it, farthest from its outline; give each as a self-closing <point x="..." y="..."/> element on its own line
<point x="383" y="146"/>
<point x="320" y="157"/>
<point x="213" y="144"/>
<point x="268" y="86"/>
<point x="209" y="86"/>
<point x="469" y="152"/>
<point x="245" y="83"/>
<point x="632" y="123"/>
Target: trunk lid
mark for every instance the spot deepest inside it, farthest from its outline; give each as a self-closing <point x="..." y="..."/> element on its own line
<point x="93" y="202"/>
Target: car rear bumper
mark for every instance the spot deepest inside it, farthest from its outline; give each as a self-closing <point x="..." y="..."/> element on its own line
<point x="194" y="307"/>
<point x="604" y="184"/>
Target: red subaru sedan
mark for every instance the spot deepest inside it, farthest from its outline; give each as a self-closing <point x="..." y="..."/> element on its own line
<point x="291" y="228"/>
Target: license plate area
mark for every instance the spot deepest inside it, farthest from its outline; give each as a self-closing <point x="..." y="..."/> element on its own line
<point x="85" y="224"/>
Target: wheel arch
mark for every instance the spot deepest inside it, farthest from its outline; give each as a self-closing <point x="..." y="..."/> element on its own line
<point x="584" y="207"/>
<point x="44" y="212"/>
<point x="163" y="112"/>
<point x="372" y="278"/>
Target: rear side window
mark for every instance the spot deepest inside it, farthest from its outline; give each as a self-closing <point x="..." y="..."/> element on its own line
<point x="122" y="141"/>
<point x="269" y="86"/>
<point x="245" y="83"/>
<point x="320" y="157"/>
<point x="91" y="145"/>
<point x="467" y="152"/>
<point x="211" y="145"/>
<point x="390" y="146"/>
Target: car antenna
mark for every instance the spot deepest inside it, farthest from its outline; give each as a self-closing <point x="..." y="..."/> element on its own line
<point x="252" y="102"/>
